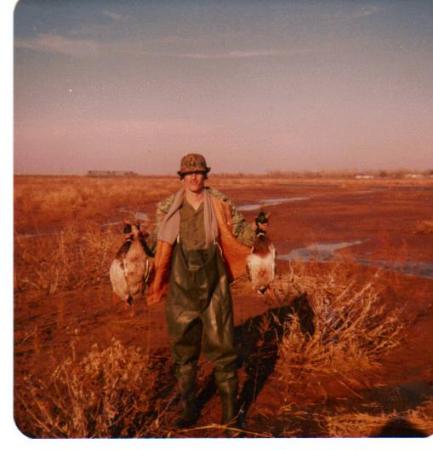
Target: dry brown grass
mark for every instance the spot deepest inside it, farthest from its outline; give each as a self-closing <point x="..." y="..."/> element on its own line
<point x="108" y="393"/>
<point x="90" y="397"/>
<point x="73" y="258"/>
<point x="352" y="330"/>
<point x="41" y="202"/>
<point x="422" y="417"/>
<point x="355" y="424"/>
<point x="350" y="424"/>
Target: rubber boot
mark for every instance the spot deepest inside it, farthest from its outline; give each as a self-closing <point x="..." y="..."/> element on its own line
<point x="186" y="384"/>
<point x="227" y="383"/>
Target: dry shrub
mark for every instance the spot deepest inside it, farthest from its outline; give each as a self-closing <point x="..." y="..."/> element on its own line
<point x="73" y="258"/>
<point x="356" y="424"/>
<point x="352" y="329"/>
<point x="108" y="393"/>
<point x="422" y="417"/>
<point x="350" y="424"/>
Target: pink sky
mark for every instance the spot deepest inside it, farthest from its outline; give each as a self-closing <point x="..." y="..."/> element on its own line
<point x="290" y="86"/>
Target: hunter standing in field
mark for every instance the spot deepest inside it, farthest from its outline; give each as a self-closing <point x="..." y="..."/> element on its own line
<point x="202" y="244"/>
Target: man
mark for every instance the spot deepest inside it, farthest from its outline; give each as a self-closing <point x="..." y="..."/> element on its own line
<point x="202" y="245"/>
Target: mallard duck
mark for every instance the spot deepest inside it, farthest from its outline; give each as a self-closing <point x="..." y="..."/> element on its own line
<point x="261" y="261"/>
<point x="131" y="266"/>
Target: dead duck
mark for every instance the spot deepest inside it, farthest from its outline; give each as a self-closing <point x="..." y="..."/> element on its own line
<point x="261" y="261"/>
<point x="131" y="267"/>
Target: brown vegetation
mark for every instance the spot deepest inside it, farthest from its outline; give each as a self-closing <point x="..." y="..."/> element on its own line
<point x="108" y="393"/>
<point x="417" y="422"/>
<point x="331" y="332"/>
<point x="74" y="257"/>
<point x="345" y="331"/>
<point x="45" y="203"/>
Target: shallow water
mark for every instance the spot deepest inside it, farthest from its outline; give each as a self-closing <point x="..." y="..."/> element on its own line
<point x="281" y="200"/>
<point x="326" y="251"/>
<point x="270" y="202"/>
<point x="37" y="234"/>
<point x="318" y="252"/>
<point x="139" y="216"/>
<point x="419" y="269"/>
<point x="109" y="224"/>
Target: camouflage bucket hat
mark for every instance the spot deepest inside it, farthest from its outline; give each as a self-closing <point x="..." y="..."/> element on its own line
<point x="193" y="162"/>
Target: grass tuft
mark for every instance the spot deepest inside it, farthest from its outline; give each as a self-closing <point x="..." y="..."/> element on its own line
<point x="108" y="393"/>
<point x="72" y="258"/>
<point x="350" y="330"/>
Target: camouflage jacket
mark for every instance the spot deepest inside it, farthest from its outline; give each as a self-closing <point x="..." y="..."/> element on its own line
<point x="241" y="229"/>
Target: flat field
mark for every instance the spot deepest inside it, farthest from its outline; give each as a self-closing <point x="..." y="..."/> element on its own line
<point x="343" y="348"/>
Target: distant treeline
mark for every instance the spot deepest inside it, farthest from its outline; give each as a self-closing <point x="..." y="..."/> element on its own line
<point x="111" y="173"/>
<point x="367" y="174"/>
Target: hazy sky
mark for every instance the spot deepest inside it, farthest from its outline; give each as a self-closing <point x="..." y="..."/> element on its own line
<point x="254" y="85"/>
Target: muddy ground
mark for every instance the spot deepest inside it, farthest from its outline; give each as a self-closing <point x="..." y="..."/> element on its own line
<point x="382" y="219"/>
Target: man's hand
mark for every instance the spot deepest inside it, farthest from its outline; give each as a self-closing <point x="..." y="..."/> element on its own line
<point x="155" y="294"/>
<point x="152" y="299"/>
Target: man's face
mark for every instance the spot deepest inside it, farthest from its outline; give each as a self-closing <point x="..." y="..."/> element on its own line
<point x="194" y="182"/>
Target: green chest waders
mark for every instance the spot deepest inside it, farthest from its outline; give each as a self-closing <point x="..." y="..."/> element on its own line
<point x="199" y="308"/>
<point x="200" y="317"/>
